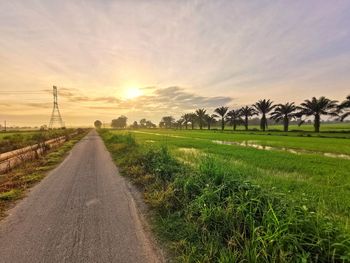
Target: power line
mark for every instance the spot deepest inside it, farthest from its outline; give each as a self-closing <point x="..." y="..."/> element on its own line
<point x="24" y="92"/>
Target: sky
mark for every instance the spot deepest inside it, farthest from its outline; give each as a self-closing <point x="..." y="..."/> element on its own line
<point x="151" y="58"/>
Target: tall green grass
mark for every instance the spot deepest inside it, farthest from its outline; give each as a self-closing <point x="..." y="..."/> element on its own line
<point x="208" y="213"/>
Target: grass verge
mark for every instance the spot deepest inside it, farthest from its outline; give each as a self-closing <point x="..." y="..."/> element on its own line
<point x="209" y="213"/>
<point x="13" y="185"/>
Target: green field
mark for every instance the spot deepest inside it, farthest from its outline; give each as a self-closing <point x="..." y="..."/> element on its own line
<point x="326" y="144"/>
<point x="303" y="177"/>
<point x="325" y="179"/>
<point x="325" y="127"/>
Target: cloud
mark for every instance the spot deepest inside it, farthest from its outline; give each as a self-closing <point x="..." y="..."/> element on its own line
<point x="176" y="97"/>
<point x="211" y="50"/>
<point x="158" y="101"/>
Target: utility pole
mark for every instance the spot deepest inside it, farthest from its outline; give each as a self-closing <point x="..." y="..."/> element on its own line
<point x="5" y="125"/>
<point x="56" y="115"/>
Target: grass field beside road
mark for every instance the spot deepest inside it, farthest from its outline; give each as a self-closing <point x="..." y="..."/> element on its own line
<point x="308" y="181"/>
<point x="324" y="178"/>
<point x="329" y="143"/>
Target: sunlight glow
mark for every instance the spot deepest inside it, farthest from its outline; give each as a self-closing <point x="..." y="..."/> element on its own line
<point x="132" y="93"/>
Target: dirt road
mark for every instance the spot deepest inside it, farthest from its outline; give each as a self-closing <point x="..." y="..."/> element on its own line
<point x="82" y="211"/>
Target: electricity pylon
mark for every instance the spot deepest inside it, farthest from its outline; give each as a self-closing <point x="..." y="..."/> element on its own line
<point x="56" y="115"/>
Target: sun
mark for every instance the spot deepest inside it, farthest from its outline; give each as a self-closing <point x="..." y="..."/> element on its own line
<point x="132" y="93"/>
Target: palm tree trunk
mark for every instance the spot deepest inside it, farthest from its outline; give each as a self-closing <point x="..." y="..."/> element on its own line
<point x="234" y="126"/>
<point x="192" y="123"/>
<point x="208" y="125"/>
<point x="285" y="124"/>
<point x="263" y="122"/>
<point x="317" y="123"/>
<point x="246" y="123"/>
<point x="200" y="125"/>
<point x="186" y="124"/>
<point x="222" y="123"/>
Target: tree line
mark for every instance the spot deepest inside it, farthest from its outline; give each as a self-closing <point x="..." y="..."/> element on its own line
<point x="121" y="123"/>
<point x="265" y="109"/>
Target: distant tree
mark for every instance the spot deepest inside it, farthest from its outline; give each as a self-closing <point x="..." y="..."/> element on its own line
<point x="146" y="124"/>
<point x="179" y="123"/>
<point x="193" y="118"/>
<point x="143" y="123"/>
<point x="98" y="124"/>
<point x="150" y="125"/>
<point x="285" y="113"/>
<point x="344" y="108"/>
<point x="187" y="118"/>
<point x="119" y="123"/>
<point x="221" y="111"/>
<point x="317" y="107"/>
<point x="168" y="121"/>
<point x="233" y="117"/>
<point x="209" y="119"/>
<point x="264" y="107"/>
<point x="200" y="117"/>
<point x="246" y="113"/>
<point x="43" y="127"/>
<point x="134" y="125"/>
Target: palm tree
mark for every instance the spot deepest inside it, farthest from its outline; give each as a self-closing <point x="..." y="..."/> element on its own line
<point x="284" y="112"/>
<point x="246" y="113"/>
<point x="200" y="116"/>
<point x="210" y="119"/>
<point x="186" y="117"/>
<point x="222" y="113"/>
<point x="317" y="107"/>
<point x="264" y="107"/>
<point x="234" y="118"/>
<point x="345" y="105"/>
<point x="193" y="118"/>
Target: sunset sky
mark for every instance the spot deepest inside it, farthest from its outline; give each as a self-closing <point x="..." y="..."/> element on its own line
<point x="151" y="58"/>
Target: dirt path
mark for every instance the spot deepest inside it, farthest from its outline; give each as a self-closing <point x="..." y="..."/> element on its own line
<point x="82" y="212"/>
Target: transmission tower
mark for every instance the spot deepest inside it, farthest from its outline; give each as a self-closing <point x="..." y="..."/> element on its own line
<point x="56" y="115"/>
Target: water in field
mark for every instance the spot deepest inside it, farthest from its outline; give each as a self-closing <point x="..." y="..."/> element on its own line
<point x="253" y="144"/>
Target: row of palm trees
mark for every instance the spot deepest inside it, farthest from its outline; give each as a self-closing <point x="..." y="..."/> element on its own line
<point x="284" y="113"/>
